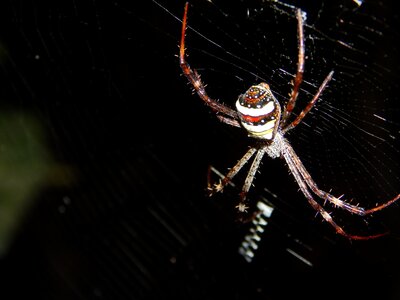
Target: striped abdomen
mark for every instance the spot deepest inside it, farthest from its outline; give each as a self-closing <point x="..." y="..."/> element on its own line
<point x="259" y="112"/>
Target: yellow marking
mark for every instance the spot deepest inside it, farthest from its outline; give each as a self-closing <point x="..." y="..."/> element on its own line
<point x="262" y="132"/>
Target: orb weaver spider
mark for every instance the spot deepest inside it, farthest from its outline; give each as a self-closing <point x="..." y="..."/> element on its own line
<point x="259" y="112"/>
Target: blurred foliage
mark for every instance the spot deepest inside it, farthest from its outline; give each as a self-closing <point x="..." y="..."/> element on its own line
<point x="24" y="166"/>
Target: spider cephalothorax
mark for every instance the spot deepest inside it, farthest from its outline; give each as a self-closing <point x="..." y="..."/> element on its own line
<point x="259" y="113"/>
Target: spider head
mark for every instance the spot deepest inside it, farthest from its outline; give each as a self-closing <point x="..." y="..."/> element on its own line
<point x="259" y="112"/>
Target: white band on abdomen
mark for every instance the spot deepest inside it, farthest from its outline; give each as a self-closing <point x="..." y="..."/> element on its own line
<point x="255" y="112"/>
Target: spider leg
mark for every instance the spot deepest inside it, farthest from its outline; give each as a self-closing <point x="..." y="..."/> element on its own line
<point x="194" y="77"/>
<point x="229" y="121"/>
<point x="300" y="70"/>
<point x="232" y="172"/>
<point x="309" y="106"/>
<point x="293" y="166"/>
<point x="326" y="196"/>
<point x="249" y="180"/>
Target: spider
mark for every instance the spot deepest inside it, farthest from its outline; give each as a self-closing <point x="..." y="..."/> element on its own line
<point x="259" y="112"/>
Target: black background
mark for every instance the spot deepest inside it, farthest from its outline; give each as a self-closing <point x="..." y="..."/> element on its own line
<point x="122" y="212"/>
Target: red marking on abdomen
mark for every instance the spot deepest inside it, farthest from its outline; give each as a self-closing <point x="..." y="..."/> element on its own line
<point x="252" y="119"/>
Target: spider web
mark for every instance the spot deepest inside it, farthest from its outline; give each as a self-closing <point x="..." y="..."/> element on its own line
<point x="350" y="139"/>
<point x="104" y="150"/>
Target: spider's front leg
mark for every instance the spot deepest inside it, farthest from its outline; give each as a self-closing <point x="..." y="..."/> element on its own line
<point x="315" y="205"/>
<point x="307" y="184"/>
<point x="249" y="180"/>
<point x="218" y="187"/>
<point x="361" y="211"/>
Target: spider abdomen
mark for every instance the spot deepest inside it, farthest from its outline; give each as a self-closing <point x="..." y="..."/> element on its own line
<point x="259" y="112"/>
